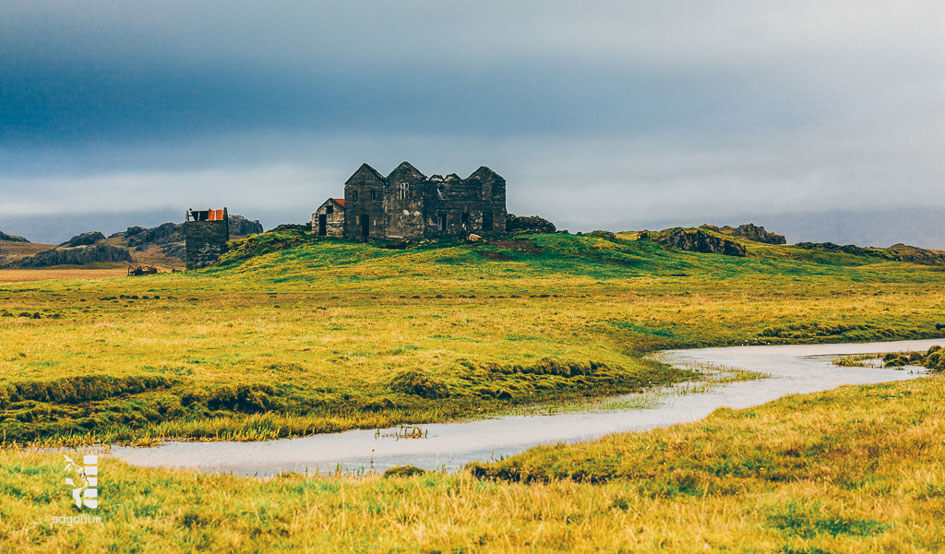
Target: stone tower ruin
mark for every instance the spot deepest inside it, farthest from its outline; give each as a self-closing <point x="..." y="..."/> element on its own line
<point x="206" y="233"/>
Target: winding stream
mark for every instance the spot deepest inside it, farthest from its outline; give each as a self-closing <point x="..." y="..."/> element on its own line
<point x="792" y="370"/>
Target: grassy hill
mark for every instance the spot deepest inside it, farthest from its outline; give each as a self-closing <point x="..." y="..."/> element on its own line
<point x="291" y="335"/>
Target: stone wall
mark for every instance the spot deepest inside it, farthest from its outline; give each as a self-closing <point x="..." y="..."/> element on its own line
<point x="403" y="202"/>
<point x="364" y="205"/>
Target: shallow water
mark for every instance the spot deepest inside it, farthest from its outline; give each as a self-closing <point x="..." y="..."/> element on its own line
<point x="793" y="369"/>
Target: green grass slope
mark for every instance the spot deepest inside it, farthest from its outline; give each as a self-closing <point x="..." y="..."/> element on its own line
<point x="290" y="334"/>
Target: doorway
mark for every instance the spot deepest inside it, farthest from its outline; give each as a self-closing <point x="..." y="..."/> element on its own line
<point x="322" y="225"/>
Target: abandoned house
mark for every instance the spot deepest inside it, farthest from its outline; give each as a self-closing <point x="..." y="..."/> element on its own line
<point x="206" y="233"/>
<point x="329" y="219"/>
<point x="408" y="204"/>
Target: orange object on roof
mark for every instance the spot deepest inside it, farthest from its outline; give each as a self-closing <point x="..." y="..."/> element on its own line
<point x="215" y="215"/>
<point x="340" y="201"/>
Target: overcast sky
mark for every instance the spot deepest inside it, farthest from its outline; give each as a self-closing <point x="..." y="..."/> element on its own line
<point x="595" y="112"/>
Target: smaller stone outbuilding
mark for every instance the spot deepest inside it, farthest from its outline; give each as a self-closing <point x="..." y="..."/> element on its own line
<point x="329" y="219"/>
<point x="206" y="233"/>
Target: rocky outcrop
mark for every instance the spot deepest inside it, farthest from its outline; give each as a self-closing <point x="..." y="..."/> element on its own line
<point x="845" y="248"/>
<point x="607" y="235"/>
<point x="240" y="226"/>
<point x="174" y="250"/>
<point x="896" y="252"/>
<point x="528" y="224"/>
<point x="84" y="239"/>
<point x="758" y="233"/>
<point x="81" y="255"/>
<point x="748" y="231"/>
<point x="906" y="253"/>
<point x="162" y="234"/>
<point x="12" y="238"/>
<point x="697" y="240"/>
<point x="291" y="227"/>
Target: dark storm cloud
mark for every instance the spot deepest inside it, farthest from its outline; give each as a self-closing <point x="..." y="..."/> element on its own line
<point x="671" y="107"/>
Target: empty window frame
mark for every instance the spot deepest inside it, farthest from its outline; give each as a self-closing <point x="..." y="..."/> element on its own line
<point x="487" y="221"/>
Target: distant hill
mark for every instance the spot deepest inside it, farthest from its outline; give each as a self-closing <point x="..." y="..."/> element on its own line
<point x="79" y="255"/>
<point x="11" y="238"/>
<point x="162" y="246"/>
<point x="923" y="227"/>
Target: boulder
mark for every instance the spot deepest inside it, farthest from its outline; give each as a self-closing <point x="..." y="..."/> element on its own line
<point x="84" y="239"/>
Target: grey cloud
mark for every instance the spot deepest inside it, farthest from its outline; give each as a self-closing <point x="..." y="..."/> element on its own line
<point x="675" y="108"/>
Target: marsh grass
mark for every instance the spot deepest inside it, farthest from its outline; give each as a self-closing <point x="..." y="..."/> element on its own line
<point x="859" y="360"/>
<point x="710" y="378"/>
<point x="933" y="359"/>
<point x="856" y="469"/>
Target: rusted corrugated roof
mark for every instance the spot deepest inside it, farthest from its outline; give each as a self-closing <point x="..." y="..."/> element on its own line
<point x="340" y="201"/>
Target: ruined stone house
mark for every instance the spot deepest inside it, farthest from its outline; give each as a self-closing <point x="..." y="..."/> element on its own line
<point x="206" y="233"/>
<point x="329" y="219"/>
<point x="408" y="204"/>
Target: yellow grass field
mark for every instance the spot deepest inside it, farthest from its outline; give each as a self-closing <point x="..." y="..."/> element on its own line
<point x="290" y="336"/>
<point x="26" y="275"/>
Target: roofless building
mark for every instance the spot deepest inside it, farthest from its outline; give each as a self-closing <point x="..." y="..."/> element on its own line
<point x="408" y="204"/>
